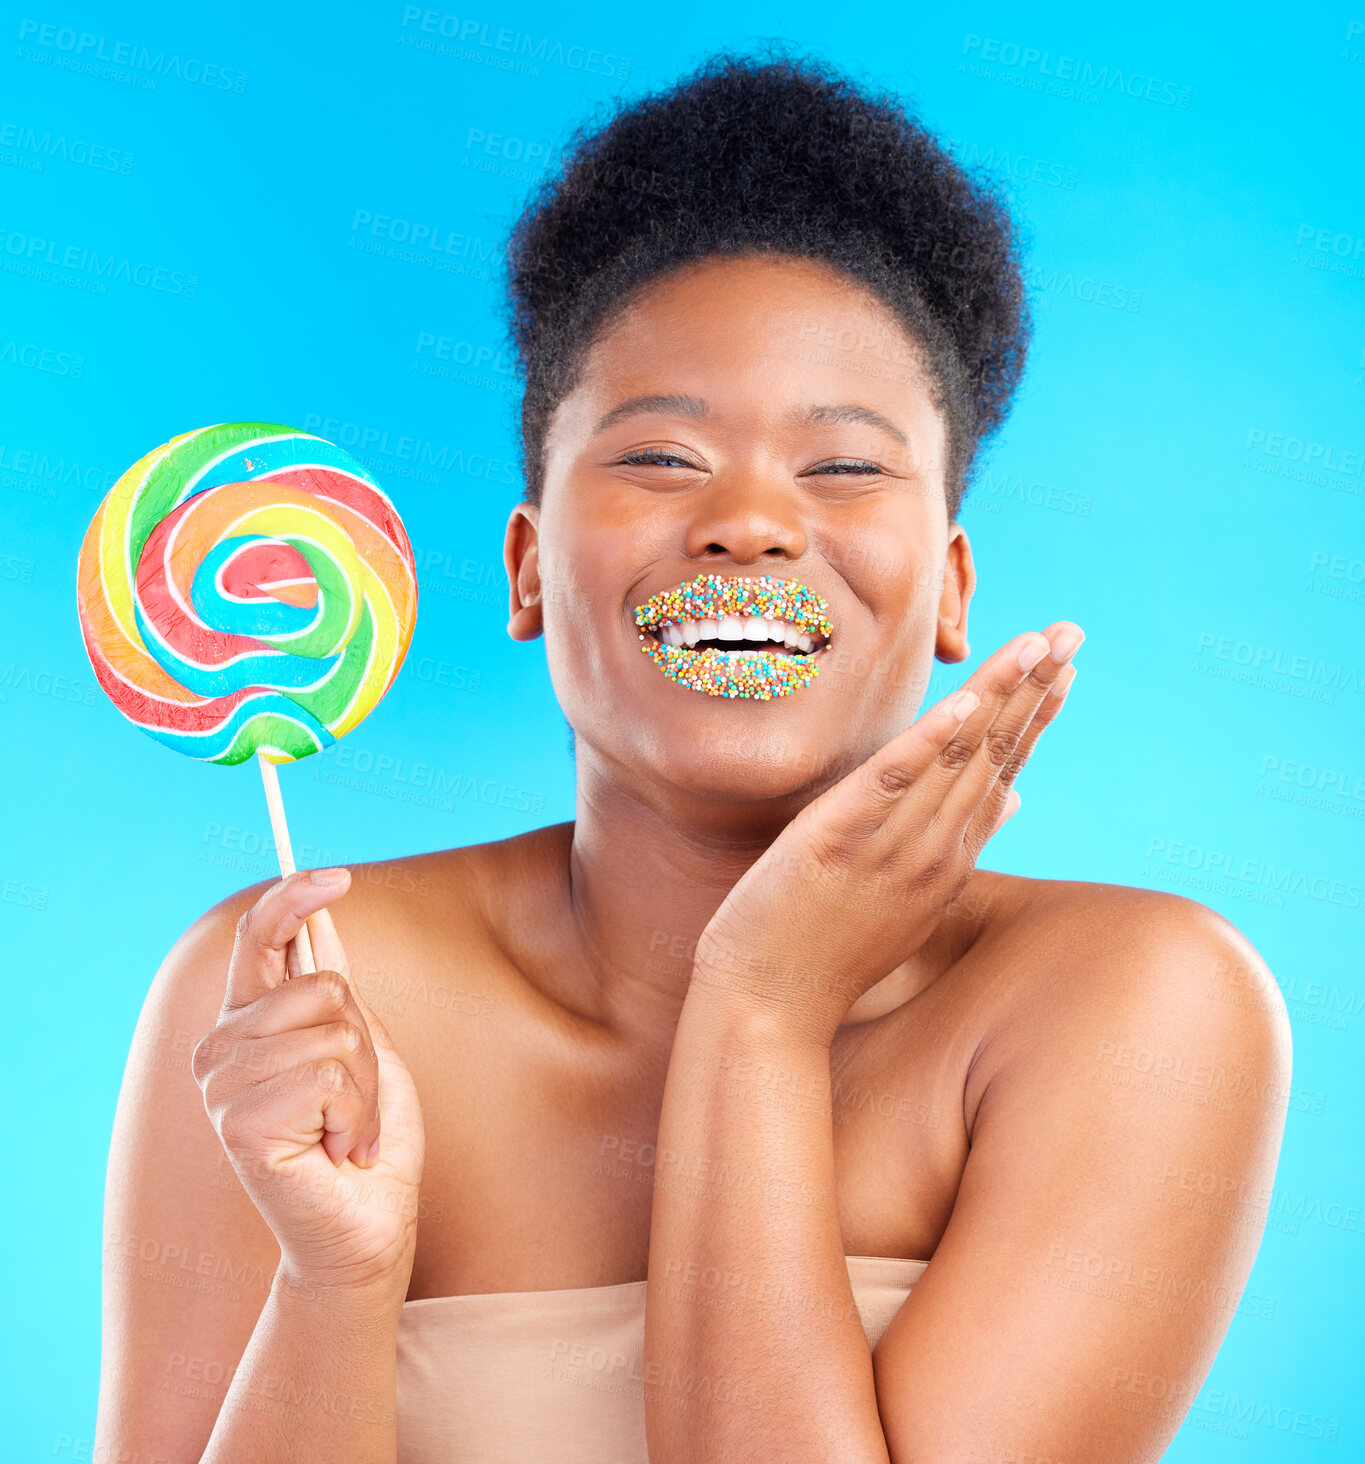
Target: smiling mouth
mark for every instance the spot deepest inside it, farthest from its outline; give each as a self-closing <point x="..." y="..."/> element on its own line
<point x="729" y="636"/>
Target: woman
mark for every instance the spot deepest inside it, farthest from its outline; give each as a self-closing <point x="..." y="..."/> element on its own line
<point x="758" y="1123"/>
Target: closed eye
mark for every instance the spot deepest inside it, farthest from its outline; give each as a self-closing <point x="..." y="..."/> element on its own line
<point x="847" y="465"/>
<point x="656" y="458"/>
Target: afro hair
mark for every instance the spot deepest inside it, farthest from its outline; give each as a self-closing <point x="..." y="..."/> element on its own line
<point x="772" y="155"/>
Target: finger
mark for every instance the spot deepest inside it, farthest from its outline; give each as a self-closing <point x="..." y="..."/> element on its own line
<point x="251" y="1061"/>
<point x="1010" y="807"/>
<point x="327" y="944"/>
<point x="858" y="805"/>
<point x="926" y="755"/>
<point x="996" y="756"/>
<point x="320" y="1002"/>
<point x="293" y="1111"/>
<point x="310" y="1000"/>
<point x="328" y="951"/>
<point x="989" y="816"/>
<point x="259" y="954"/>
<point x="994" y="682"/>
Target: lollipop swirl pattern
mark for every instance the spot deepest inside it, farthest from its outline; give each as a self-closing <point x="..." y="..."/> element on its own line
<point x="246" y="587"/>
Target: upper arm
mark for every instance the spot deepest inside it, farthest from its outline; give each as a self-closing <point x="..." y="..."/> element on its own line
<point x="1112" y="1202"/>
<point x="188" y="1260"/>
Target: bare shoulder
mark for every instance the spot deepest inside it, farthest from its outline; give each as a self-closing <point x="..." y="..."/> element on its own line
<point x="1132" y="1060"/>
<point x="188" y="1259"/>
<point x="1143" y="985"/>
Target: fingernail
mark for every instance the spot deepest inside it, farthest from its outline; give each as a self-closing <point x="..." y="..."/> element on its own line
<point x="1066" y="645"/>
<point x="963" y="705"/>
<point x="327" y="876"/>
<point x="1032" y="653"/>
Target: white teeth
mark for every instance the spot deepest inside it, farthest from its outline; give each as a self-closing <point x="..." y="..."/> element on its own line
<point x="741" y="628"/>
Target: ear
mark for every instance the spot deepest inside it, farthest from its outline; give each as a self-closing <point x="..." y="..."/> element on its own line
<point x="521" y="556"/>
<point x="959" y="580"/>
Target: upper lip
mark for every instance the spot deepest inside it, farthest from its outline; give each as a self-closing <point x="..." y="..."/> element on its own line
<point x="710" y="596"/>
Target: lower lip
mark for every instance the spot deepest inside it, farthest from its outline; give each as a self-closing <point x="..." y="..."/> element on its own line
<point x="746" y="675"/>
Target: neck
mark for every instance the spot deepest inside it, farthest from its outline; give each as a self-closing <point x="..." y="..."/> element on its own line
<point x="644" y="879"/>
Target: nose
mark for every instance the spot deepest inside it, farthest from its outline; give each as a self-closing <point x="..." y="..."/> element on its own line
<point x="747" y="516"/>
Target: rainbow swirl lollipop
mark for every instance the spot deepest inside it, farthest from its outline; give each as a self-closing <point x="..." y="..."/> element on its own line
<point x="246" y="588"/>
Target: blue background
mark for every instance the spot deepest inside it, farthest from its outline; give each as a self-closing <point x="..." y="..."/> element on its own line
<point x="1198" y="272"/>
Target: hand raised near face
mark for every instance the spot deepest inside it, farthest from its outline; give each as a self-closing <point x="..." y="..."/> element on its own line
<point x="862" y="875"/>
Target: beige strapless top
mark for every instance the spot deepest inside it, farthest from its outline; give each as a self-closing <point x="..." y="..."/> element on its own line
<point x="555" y="1377"/>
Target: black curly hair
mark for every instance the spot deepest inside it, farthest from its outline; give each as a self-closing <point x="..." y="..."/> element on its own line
<point x="778" y="155"/>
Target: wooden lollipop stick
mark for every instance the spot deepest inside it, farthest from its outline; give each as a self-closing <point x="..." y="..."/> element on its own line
<point x="280" y="829"/>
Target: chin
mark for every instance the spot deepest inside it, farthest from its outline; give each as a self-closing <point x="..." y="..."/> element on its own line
<point x="736" y="764"/>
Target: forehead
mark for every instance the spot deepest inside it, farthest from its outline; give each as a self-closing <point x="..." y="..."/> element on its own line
<point x="755" y="333"/>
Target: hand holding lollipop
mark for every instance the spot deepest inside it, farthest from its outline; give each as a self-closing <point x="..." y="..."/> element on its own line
<point x="247" y="589"/>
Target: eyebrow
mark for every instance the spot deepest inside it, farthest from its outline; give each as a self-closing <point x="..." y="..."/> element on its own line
<point x="827" y="414"/>
<point x="678" y="406"/>
<point x="836" y="412"/>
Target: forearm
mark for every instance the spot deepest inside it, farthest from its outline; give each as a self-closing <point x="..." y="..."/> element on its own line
<point x="753" y="1343"/>
<point x="317" y="1382"/>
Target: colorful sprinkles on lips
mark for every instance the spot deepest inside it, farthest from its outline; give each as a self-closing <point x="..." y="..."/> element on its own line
<point x="753" y="675"/>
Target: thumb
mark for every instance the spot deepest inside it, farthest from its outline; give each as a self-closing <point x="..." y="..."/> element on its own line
<point x="1008" y="811"/>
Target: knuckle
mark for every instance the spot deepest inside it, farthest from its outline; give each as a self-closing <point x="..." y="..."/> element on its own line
<point x="231" y="1122"/>
<point x="330" y="990"/>
<point x="244" y="923"/>
<point x="348" y="1036"/>
<point x="1000" y="746"/>
<point x="1011" y="768"/>
<point x="201" y="1059"/>
<point x="955" y="753"/>
<point x="331" y="1074"/>
<point x="892" y="781"/>
<point x="832" y="863"/>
